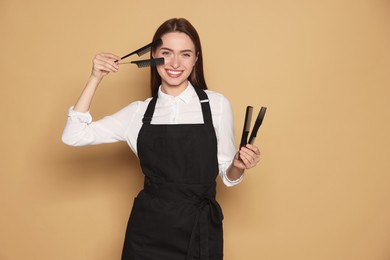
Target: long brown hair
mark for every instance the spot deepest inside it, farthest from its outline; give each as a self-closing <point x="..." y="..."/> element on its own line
<point x="180" y="25"/>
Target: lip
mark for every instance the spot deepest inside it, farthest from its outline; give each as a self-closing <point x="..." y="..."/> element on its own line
<point x="174" y="73"/>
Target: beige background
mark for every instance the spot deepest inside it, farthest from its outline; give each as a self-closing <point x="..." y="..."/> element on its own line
<point x="321" y="67"/>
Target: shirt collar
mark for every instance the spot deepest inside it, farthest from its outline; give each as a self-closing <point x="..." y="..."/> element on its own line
<point x="185" y="96"/>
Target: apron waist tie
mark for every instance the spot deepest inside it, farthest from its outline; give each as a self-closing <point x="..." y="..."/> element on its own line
<point x="206" y="199"/>
<point x="216" y="217"/>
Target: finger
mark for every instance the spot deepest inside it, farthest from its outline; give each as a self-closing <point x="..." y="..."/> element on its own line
<point x="104" y="67"/>
<point x="248" y="152"/>
<point x="107" y="58"/>
<point x="249" y="157"/>
<point x="110" y="56"/>
<point x="246" y="159"/>
<point x="253" y="151"/>
<point x="239" y="164"/>
<point x="104" y="64"/>
<point x="254" y="148"/>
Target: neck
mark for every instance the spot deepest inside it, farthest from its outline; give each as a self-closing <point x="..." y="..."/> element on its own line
<point x="174" y="90"/>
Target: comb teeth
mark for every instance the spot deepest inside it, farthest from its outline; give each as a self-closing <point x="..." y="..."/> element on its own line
<point x="248" y="119"/>
<point x="141" y="51"/>
<point x="148" y="47"/>
<point x="148" y="63"/>
<point x="257" y="125"/>
<point x="247" y="125"/>
<point x="144" y="51"/>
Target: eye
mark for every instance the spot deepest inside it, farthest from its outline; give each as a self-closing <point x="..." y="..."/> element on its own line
<point x="187" y="55"/>
<point x="165" y="53"/>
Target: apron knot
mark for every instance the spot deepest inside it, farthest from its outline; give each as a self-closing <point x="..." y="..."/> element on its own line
<point x="207" y="209"/>
<point x="216" y="214"/>
<point x="201" y="222"/>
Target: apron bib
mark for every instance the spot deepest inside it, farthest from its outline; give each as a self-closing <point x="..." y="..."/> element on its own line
<point x="176" y="216"/>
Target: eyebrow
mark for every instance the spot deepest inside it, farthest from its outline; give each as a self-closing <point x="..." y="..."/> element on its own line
<point x="168" y="49"/>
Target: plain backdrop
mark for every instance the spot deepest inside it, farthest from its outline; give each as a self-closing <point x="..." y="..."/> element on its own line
<point x="321" y="191"/>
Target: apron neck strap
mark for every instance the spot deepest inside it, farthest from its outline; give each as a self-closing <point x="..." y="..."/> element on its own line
<point x="204" y="102"/>
<point x="150" y="110"/>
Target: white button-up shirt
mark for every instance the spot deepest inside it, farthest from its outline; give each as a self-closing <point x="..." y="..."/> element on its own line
<point x="124" y="125"/>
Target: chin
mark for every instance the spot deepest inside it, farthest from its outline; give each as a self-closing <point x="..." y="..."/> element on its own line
<point x="176" y="82"/>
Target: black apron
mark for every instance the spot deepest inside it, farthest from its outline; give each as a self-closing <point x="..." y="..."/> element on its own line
<point x="176" y="216"/>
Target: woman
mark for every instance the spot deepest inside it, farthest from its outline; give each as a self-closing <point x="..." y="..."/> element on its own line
<point x="184" y="139"/>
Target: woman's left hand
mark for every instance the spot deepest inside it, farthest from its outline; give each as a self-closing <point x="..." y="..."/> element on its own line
<point x="248" y="157"/>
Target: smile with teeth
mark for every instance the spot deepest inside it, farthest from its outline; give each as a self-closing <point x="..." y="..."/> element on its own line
<point x="174" y="73"/>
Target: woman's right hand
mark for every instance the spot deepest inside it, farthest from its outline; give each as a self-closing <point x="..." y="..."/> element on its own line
<point x="104" y="63"/>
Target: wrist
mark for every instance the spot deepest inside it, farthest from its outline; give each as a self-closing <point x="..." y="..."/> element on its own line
<point x="95" y="79"/>
<point x="234" y="173"/>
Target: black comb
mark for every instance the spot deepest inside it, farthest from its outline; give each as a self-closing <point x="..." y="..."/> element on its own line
<point x="148" y="63"/>
<point x="145" y="49"/>
<point x="247" y="125"/>
<point x="257" y="125"/>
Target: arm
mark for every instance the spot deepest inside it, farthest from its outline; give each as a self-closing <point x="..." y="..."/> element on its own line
<point x="103" y="64"/>
<point x="79" y="129"/>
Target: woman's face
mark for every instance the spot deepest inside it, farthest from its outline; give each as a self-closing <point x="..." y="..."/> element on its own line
<point x="179" y="54"/>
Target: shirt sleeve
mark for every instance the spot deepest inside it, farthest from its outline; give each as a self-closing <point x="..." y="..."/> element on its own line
<point x="226" y="143"/>
<point x="81" y="130"/>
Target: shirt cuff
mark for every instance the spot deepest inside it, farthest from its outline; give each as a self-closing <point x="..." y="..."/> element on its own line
<point x="231" y="183"/>
<point x="82" y="117"/>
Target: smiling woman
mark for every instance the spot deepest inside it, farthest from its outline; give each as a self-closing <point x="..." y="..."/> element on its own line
<point x="178" y="50"/>
<point x="187" y="32"/>
<point x="183" y="137"/>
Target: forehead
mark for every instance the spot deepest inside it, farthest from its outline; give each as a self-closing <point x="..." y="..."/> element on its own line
<point x="177" y="41"/>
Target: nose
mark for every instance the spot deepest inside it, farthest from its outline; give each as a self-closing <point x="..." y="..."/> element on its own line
<point x="175" y="62"/>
